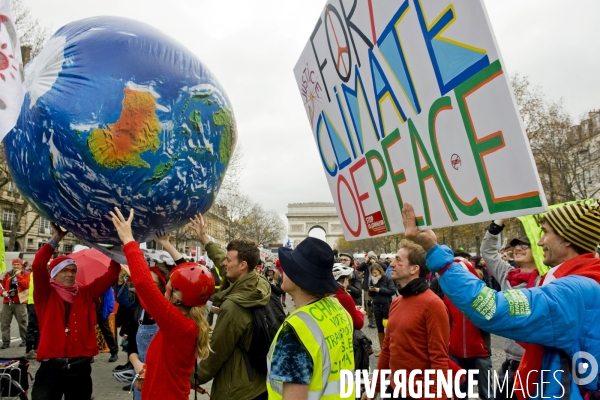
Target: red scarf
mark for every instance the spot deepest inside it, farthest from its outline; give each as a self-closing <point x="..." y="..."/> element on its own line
<point x="67" y="293"/>
<point x="584" y="265"/>
<point x="515" y="277"/>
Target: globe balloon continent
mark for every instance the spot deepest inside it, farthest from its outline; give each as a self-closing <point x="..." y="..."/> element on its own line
<point x="117" y="114"/>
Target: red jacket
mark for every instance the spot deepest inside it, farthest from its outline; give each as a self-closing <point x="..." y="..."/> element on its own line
<point x="172" y="352"/>
<point x="466" y="339"/>
<point x="358" y="320"/>
<point x="416" y="336"/>
<point x="50" y="309"/>
<point x="22" y="284"/>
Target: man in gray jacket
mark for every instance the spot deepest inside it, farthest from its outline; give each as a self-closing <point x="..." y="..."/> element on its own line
<point x="509" y="277"/>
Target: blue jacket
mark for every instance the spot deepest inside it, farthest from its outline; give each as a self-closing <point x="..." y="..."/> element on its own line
<point x="107" y="304"/>
<point x="124" y="296"/>
<point x="563" y="315"/>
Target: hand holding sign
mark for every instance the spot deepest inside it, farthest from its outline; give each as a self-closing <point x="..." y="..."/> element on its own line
<point x="425" y="238"/>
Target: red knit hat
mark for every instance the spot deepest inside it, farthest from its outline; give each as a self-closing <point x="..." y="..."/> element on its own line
<point x="59" y="263"/>
<point x="17" y="261"/>
<point x="58" y="260"/>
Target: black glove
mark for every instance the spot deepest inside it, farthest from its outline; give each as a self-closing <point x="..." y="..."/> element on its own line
<point x="495" y="229"/>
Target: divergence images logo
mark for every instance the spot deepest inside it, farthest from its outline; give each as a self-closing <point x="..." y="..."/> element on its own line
<point x="584" y="367"/>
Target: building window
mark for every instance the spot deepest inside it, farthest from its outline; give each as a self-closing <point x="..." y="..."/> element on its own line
<point x="8" y="219"/>
<point x="11" y="187"/>
<point x="40" y="244"/>
<point x="68" y="248"/>
<point x="45" y="228"/>
<point x="596" y="119"/>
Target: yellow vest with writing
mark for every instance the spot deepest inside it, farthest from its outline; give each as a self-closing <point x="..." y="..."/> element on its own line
<point x="325" y="329"/>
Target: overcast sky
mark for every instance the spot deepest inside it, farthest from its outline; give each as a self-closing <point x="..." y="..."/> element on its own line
<point x="253" y="45"/>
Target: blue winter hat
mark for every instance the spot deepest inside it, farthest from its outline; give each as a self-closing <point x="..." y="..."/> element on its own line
<point x="309" y="265"/>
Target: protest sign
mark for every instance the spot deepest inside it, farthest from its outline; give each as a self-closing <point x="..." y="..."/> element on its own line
<point x="12" y="90"/>
<point x="409" y="100"/>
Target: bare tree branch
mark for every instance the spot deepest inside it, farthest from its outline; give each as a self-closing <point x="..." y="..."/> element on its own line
<point x="31" y="32"/>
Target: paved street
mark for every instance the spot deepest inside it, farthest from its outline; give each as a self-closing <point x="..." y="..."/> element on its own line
<point x="107" y="388"/>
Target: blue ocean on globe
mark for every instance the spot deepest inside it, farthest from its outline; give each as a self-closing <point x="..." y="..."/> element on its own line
<point x="117" y="114"/>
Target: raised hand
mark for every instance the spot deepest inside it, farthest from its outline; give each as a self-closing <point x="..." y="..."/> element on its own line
<point x="199" y="225"/>
<point x="161" y="238"/>
<point x="57" y="232"/>
<point x="425" y="238"/>
<point x="123" y="225"/>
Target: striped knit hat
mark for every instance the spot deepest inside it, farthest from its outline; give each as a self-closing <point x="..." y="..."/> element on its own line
<point x="577" y="223"/>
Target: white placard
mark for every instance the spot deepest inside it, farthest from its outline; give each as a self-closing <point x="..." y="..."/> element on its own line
<point x="409" y="101"/>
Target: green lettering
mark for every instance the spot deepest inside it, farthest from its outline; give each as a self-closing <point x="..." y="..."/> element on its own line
<point x="427" y="172"/>
<point x="323" y="306"/>
<point x="472" y="207"/>
<point x="398" y="176"/>
<point x="313" y="310"/>
<point x="334" y="368"/>
<point x="490" y="144"/>
<point x="328" y="340"/>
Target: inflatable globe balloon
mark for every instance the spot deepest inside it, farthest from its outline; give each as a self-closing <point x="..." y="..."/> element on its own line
<point x="117" y="114"/>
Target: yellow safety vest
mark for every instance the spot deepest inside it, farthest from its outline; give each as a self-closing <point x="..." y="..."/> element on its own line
<point x="30" y="289"/>
<point x="325" y="329"/>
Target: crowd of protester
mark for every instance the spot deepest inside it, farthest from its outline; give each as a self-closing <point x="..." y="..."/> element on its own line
<point x="422" y="303"/>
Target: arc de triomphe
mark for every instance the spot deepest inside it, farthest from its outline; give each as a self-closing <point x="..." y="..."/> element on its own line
<point x="303" y="217"/>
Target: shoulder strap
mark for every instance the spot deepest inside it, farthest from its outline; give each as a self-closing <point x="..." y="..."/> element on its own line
<point x="249" y="369"/>
<point x="251" y="373"/>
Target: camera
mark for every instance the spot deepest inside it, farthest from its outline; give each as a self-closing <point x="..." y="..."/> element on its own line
<point x="12" y="292"/>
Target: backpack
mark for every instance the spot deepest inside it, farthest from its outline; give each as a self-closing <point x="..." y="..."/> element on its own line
<point x="266" y="321"/>
<point x="362" y="349"/>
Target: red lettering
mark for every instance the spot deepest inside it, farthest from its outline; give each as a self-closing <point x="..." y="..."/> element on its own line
<point x="354" y="232"/>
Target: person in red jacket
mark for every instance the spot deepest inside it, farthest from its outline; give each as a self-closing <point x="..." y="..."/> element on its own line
<point x="342" y="274"/>
<point x="179" y="313"/>
<point x="418" y="328"/>
<point x="67" y="315"/>
<point x="468" y="348"/>
<point x="14" y="282"/>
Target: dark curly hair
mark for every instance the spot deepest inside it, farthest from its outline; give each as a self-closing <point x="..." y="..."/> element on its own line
<point x="247" y="251"/>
